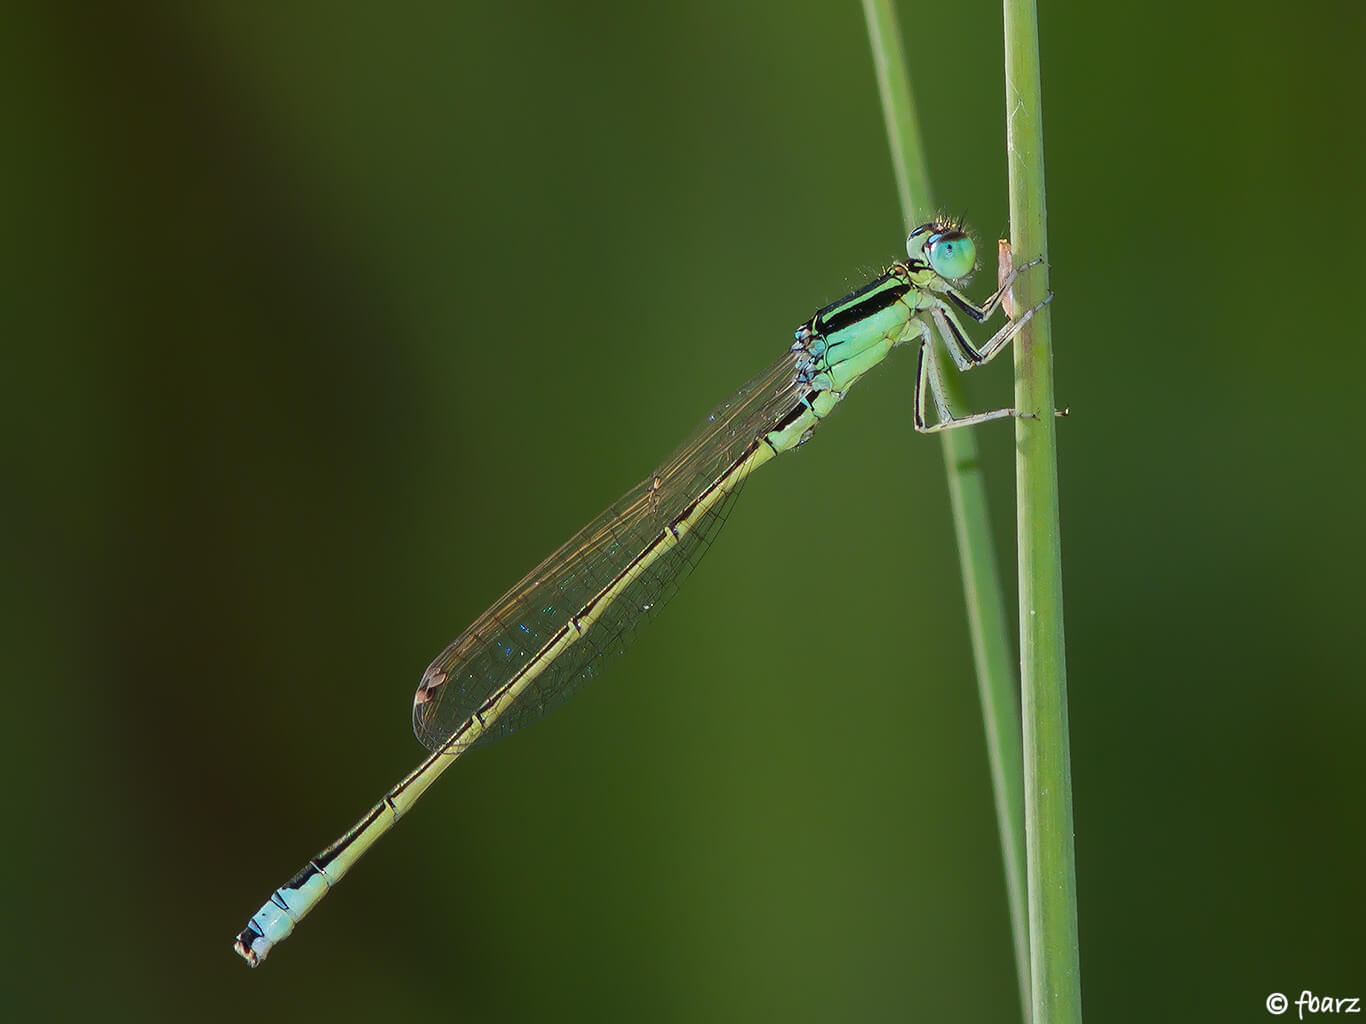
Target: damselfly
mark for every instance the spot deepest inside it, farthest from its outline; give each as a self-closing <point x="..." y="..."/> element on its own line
<point x="555" y="629"/>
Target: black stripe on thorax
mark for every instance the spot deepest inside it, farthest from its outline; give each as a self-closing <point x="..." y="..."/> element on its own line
<point x="849" y="311"/>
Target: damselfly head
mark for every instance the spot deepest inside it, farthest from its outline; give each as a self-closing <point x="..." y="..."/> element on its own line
<point x="949" y="250"/>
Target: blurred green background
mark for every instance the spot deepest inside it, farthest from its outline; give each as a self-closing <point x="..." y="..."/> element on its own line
<point x="324" y="322"/>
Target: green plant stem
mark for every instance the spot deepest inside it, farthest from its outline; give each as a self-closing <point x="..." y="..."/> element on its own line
<point x="1056" y="972"/>
<point x="967" y="493"/>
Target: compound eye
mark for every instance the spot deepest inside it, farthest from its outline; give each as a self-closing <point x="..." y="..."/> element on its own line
<point x="913" y="243"/>
<point x="952" y="254"/>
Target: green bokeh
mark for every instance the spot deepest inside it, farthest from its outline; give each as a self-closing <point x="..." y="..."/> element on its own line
<point x="324" y="322"/>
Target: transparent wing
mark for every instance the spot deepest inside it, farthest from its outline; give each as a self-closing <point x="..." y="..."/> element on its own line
<point x="507" y="637"/>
